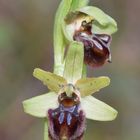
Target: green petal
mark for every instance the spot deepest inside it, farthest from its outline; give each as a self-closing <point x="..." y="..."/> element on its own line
<point x="38" y="106"/>
<point x="74" y="62"/>
<point x="104" y="23"/>
<point x="98" y="110"/>
<point x="53" y="81"/>
<point x="88" y="86"/>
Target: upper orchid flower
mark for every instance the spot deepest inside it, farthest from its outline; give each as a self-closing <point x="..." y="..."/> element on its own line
<point x="83" y="26"/>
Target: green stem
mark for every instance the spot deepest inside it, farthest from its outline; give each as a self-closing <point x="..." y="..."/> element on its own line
<point x="46" y="130"/>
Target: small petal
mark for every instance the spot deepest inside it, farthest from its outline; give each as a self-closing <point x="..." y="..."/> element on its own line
<point x="53" y="81"/>
<point x="98" y="110"/>
<point x="39" y="106"/>
<point x="88" y="86"/>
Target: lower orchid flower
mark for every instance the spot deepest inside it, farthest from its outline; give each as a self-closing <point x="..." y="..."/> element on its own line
<point x="67" y="106"/>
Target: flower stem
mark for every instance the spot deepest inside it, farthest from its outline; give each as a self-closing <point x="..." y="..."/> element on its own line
<point x="46" y="130"/>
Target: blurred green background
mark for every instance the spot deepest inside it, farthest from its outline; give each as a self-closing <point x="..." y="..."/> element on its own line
<point x="26" y="32"/>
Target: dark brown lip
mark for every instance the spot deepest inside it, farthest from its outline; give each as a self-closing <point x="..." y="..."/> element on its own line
<point x="96" y="48"/>
<point x="66" y="122"/>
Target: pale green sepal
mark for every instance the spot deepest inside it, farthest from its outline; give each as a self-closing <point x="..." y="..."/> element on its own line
<point x="59" y="69"/>
<point x="88" y="86"/>
<point x="78" y="4"/>
<point x="103" y="22"/>
<point x="59" y="41"/>
<point x="38" y="106"/>
<point x="82" y="3"/>
<point x="99" y="29"/>
<point x="98" y="110"/>
<point x="53" y="81"/>
<point x="74" y="62"/>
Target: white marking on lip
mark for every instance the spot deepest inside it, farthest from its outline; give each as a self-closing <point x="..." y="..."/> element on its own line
<point x="98" y="44"/>
<point x="84" y="34"/>
<point x="104" y="38"/>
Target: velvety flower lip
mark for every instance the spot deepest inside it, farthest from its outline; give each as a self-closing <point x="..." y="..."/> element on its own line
<point x="96" y="46"/>
<point x="96" y="50"/>
<point x="68" y="119"/>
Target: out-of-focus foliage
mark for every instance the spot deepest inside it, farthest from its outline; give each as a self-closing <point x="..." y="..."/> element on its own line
<point x="26" y="33"/>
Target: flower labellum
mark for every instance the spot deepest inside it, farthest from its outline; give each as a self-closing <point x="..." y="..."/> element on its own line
<point x="67" y="122"/>
<point x="96" y="46"/>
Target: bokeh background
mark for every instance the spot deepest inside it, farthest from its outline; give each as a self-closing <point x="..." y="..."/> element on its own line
<point x="26" y="32"/>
